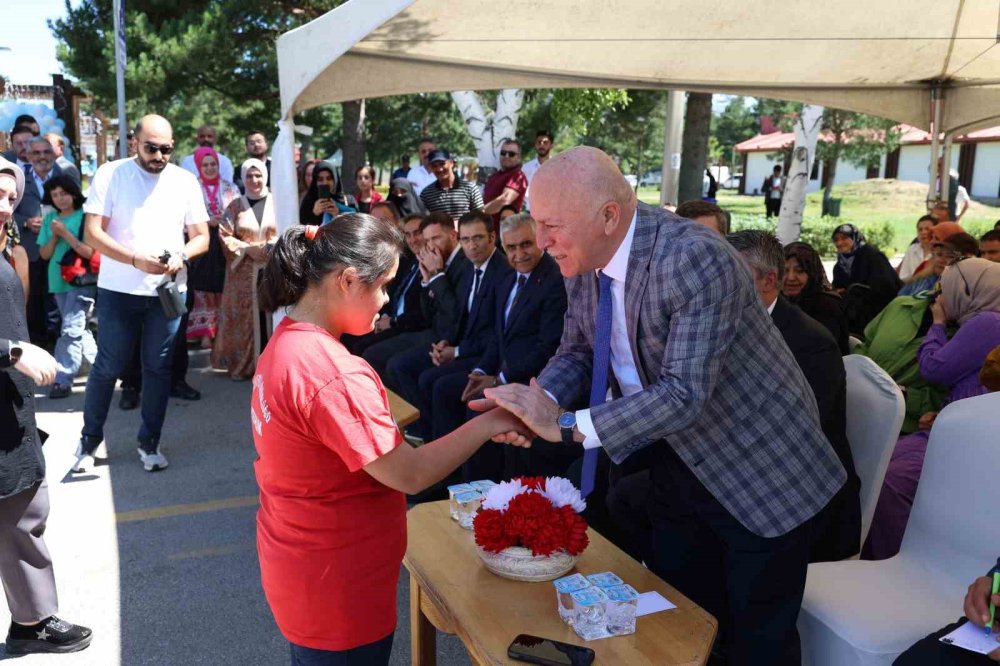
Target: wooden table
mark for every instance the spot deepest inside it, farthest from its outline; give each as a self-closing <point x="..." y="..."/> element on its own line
<point x="402" y="412"/>
<point x="451" y="590"/>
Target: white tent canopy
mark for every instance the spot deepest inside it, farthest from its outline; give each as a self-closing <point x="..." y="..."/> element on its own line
<point x="889" y="59"/>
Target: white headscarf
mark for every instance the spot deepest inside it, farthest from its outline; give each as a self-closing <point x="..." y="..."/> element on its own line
<point x="14" y="170"/>
<point x="254" y="163"/>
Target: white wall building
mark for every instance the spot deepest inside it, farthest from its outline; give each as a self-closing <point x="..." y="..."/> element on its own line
<point x="976" y="157"/>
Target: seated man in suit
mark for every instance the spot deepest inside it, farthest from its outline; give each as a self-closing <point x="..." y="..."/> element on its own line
<point x="836" y="532"/>
<point x="457" y="351"/>
<point x="403" y="312"/>
<point x="441" y="263"/>
<point x="527" y="326"/>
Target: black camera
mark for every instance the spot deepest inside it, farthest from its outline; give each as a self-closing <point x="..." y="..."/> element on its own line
<point x="165" y="257"/>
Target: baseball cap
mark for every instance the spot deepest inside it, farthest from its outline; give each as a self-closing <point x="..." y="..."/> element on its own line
<point x="438" y="155"/>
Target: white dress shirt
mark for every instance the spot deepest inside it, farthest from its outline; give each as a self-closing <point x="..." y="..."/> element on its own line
<point x="420" y="178"/>
<point x="622" y="361"/>
<point x="472" y="292"/>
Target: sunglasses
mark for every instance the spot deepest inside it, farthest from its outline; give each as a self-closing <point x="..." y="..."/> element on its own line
<point x="152" y="148"/>
<point x="508" y="153"/>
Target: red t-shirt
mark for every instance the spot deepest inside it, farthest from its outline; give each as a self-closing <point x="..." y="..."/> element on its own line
<point x="512" y="178"/>
<point x="330" y="538"/>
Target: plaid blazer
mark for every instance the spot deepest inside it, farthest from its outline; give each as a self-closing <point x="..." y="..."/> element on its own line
<point x="719" y="383"/>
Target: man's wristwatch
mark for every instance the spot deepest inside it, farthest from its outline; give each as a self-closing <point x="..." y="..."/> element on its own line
<point x="567" y="421"/>
<point x="15" y="352"/>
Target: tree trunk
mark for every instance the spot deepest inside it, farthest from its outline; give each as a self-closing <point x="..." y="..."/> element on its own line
<point x="488" y="128"/>
<point x="793" y="201"/>
<point x="697" y="120"/>
<point x="831" y="173"/>
<point x="354" y="145"/>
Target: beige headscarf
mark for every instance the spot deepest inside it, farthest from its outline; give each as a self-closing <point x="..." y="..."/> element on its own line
<point x="969" y="287"/>
<point x="14" y="170"/>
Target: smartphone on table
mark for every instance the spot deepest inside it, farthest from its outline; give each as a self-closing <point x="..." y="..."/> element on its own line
<point x="548" y="652"/>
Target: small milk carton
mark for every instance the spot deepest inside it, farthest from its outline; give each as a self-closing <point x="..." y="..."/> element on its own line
<point x="620" y="609"/>
<point x="455" y="490"/>
<point x="468" y="504"/>
<point x="565" y="587"/>
<point x="603" y="580"/>
<point x="589" y="613"/>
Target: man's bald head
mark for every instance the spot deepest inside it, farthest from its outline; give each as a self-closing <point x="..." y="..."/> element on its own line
<point x="154" y="125"/>
<point x="583" y="206"/>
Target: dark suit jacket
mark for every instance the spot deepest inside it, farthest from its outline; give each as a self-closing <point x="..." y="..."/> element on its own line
<point x="439" y="300"/>
<point x="531" y="336"/>
<point x="31" y="206"/>
<point x="818" y="354"/>
<point x="409" y="291"/>
<point x="719" y="385"/>
<point x="475" y="326"/>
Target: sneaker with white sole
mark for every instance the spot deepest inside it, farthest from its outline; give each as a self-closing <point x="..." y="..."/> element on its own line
<point x="84" y="455"/>
<point x="152" y="461"/>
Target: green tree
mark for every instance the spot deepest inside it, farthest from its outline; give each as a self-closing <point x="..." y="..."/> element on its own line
<point x="858" y="138"/>
<point x="737" y="122"/>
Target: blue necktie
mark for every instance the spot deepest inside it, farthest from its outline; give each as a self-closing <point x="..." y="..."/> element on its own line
<point x="599" y="377"/>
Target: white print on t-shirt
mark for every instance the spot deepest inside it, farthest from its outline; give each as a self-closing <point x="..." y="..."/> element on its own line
<point x="258" y="387"/>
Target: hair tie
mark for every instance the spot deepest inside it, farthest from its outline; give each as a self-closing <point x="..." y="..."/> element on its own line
<point x="311" y="230"/>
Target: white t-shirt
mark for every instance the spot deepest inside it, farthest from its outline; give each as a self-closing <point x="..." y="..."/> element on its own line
<point x="776" y="187"/>
<point x="225" y="166"/>
<point x="148" y="214"/>
<point x="529" y="169"/>
<point x="420" y="177"/>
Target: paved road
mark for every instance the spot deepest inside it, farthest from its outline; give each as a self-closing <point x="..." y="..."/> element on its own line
<point x="163" y="566"/>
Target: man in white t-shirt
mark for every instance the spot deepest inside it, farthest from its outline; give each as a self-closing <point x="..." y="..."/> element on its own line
<point x="138" y="211"/>
<point x="543" y="146"/>
<point x="421" y="175"/>
<point x="207" y="138"/>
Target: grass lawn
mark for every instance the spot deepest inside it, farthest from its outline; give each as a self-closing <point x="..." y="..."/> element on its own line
<point x="897" y="203"/>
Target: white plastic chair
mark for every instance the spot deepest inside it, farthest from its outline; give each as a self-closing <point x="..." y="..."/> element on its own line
<point x="859" y="613"/>
<point x="875" y="412"/>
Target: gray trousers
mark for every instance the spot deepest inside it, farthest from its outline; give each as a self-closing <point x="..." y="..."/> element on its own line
<point x="25" y="565"/>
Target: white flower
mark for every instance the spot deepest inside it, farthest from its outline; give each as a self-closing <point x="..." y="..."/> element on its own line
<point x="561" y="492"/>
<point x="500" y="495"/>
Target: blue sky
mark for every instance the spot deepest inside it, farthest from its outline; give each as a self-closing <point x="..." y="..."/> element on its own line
<point x="32" y="55"/>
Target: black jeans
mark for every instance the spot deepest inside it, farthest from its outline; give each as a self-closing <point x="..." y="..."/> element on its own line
<point x="753" y="585"/>
<point x="372" y="654"/>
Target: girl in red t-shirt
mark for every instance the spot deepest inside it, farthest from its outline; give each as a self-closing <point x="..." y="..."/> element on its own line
<point x="332" y="469"/>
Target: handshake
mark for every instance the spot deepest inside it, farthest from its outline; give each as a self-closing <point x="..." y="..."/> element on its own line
<point x="530" y="406"/>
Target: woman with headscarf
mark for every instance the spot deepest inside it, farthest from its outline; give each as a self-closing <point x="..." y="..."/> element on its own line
<point x="805" y="284"/>
<point x="243" y="326"/>
<point x="970" y="297"/>
<point x="207" y="273"/>
<point x="864" y="276"/>
<point x="407" y="202"/>
<point x="325" y="200"/>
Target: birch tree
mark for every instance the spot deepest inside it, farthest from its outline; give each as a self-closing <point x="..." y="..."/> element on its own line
<point x="489" y="127"/>
<point x="793" y="201"/>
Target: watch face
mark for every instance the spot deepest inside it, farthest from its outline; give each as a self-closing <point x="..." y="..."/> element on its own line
<point x="567" y="420"/>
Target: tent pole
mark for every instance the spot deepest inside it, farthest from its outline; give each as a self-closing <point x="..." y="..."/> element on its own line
<point x="946" y="166"/>
<point x="673" y="132"/>
<point x="937" y="93"/>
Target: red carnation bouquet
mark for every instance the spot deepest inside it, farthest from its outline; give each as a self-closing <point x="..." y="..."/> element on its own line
<point x="537" y="513"/>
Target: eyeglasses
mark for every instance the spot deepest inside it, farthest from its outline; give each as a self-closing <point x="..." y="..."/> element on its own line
<point x="508" y="153"/>
<point x="152" y="148"/>
<point x="477" y="239"/>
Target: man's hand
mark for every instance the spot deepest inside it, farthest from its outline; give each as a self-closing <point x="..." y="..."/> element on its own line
<point x="431" y="260"/>
<point x="938" y="313"/>
<point x="175" y="263"/>
<point x="529" y="403"/>
<point x="443" y="354"/>
<point x="477" y="382"/>
<point x="149" y="264"/>
<point x="508" y="429"/>
<point x="36" y="363"/>
<point x="384" y="323"/>
<point x="33" y="224"/>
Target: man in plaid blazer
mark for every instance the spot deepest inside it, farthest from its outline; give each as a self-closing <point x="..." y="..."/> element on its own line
<point x="701" y="376"/>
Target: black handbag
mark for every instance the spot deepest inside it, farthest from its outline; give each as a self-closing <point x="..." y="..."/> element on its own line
<point x="171" y="299"/>
<point x="76" y="270"/>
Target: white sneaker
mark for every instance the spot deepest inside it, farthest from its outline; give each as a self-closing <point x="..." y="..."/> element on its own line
<point x="84" y="458"/>
<point x="152" y="462"/>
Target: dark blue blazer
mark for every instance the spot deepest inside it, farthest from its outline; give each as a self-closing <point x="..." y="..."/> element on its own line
<point x="409" y="291"/>
<point x="31" y="206"/>
<point x="531" y="336"/>
<point x="475" y="326"/>
<point x="440" y="299"/>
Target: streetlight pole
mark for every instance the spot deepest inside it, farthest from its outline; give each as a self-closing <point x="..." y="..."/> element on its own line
<point x="120" y="61"/>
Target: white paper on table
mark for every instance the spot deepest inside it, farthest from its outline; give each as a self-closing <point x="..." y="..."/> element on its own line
<point x="971" y="637"/>
<point x="652" y="602"/>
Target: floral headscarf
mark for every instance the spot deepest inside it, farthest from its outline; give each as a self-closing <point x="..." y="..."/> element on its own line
<point x="209" y="186"/>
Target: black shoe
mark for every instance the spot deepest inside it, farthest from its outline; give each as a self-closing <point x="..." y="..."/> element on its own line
<point x="130" y="399"/>
<point x="183" y="391"/>
<point x="49" y="635"/>
<point x="59" y="391"/>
